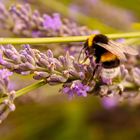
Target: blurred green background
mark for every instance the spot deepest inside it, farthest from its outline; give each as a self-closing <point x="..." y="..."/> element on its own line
<point x="46" y="114"/>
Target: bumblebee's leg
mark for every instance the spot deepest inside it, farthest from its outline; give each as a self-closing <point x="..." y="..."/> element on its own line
<point x="93" y="73"/>
<point x="95" y="69"/>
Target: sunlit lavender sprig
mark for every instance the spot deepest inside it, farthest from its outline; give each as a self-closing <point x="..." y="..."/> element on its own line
<point x="21" y="20"/>
<point x="7" y="105"/>
<point x="66" y="70"/>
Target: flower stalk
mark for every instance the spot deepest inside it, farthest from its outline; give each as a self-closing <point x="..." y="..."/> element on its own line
<point x="16" y="41"/>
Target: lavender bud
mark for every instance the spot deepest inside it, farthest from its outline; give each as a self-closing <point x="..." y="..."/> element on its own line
<point x="58" y="65"/>
<point x="12" y="56"/>
<point x="43" y="63"/>
<point x="62" y="60"/>
<point x="65" y="61"/>
<point x="23" y="58"/>
<point x="74" y="73"/>
<point x="51" y="67"/>
<point x="40" y="75"/>
<point x="49" y="54"/>
<point x="42" y="55"/>
<point x="56" y="79"/>
<point x="8" y="65"/>
<point x="26" y="66"/>
<point x="30" y="59"/>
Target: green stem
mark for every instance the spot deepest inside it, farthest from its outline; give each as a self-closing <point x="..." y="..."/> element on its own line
<point x="16" y="41"/>
<point x="27" y="89"/>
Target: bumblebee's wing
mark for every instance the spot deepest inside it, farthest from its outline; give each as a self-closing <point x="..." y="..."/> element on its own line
<point x="126" y="49"/>
<point x="114" y="50"/>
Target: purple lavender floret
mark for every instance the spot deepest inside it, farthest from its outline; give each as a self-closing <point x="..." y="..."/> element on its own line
<point x="53" y="23"/>
<point x="76" y="88"/>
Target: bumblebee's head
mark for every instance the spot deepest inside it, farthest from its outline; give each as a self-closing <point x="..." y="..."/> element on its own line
<point x="100" y="38"/>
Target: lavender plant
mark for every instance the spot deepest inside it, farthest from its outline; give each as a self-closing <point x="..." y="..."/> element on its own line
<point x="21" y="20"/>
<point x="75" y="77"/>
<point x="66" y="70"/>
<point x="24" y="22"/>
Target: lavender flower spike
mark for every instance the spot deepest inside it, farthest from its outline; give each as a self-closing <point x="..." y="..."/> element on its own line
<point x="8" y="104"/>
<point x="65" y="70"/>
<point x="24" y="21"/>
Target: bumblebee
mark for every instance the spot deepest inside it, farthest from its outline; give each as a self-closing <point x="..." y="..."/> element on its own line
<point x="108" y="53"/>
